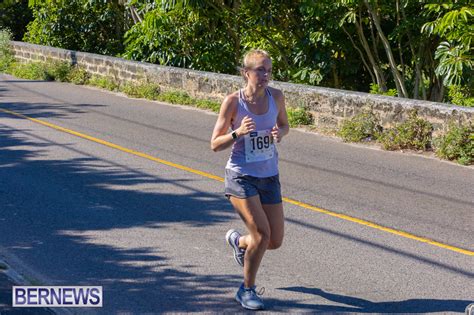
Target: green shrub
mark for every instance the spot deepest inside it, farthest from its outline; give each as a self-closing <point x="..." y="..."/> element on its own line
<point x="90" y="26"/>
<point x="298" y="116"/>
<point x="149" y="91"/>
<point x="460" y="96"/>
<point x="142" y="90"/>
<point x="47" y="71"/>
<point x="103" y="82"/>
<point x="208" y="104"/>
<point x="152" y="92"/>
<point x="5" y="62"/>
<point x="375" y="89"/>
<point x="30" y="71"/>
<point x="5" y="38"/>
<point x="456" y="144"/>
<point x="415" y="133"/>
<point x="176" y="97"/>
<point x="78" y="75"/>
<point x="59" y="70"/>
<point x="6" y="55"/>
<point x="363" y="126"/>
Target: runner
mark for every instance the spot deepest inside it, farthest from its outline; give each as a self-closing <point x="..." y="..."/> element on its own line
<point x="257" y="116"/>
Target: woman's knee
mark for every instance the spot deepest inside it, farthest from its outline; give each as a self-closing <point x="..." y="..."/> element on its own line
<point x="262" y="238"/>
<point x="275" y="243"/>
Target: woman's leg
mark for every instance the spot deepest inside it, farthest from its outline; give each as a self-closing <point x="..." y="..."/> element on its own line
<point x="252" y="213"/>
<point x="276" y="220"/>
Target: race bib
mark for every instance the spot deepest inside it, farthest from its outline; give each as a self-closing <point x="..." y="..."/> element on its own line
<point x="259" y="146"/>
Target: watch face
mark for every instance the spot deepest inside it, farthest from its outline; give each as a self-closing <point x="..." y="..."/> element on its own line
<point x="234" y="135"/>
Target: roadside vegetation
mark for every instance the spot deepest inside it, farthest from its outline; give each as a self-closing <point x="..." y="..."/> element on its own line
<point x="299" y="116"/>
<point x="403" y="48"/>
<point x="456" y="144"/>
<point x="62" y="71"/>
<point x="363" y="127"/>
<point x="415" y="134"/>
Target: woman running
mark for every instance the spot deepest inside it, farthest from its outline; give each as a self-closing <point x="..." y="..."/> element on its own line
<point x="257" y="118"/>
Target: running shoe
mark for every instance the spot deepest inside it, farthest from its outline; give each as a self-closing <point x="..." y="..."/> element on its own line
<point x="232" y="238"/>
<point x="470" y="309"/>
<point x="248" y="298"/>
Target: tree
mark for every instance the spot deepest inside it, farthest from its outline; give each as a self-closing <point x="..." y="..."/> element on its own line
<point x="348" y="44"/>
<point x="15" y="15"/>
<point x="454" y="24"/>
<point x="182" y="37"/>
<point x="86" y="25"/>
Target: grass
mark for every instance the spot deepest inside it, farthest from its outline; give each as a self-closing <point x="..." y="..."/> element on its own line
<point x="30" y="71"/>
<point x="103" y="82"/>
<point x="299" y="116"/>
<point x="153" y="92"/>
<point x="144" y="90"/>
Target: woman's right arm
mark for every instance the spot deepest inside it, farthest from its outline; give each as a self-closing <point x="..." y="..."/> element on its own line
<point x="220" y="138"/>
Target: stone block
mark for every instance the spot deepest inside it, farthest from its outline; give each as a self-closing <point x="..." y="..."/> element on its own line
<point x="330" y="106"/>
<point x="176" y="79"/>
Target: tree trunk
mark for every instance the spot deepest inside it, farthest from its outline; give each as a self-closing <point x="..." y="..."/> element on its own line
<point x="400" y="50"/>
<point x="235" y="31"/>
<point x="377" y="70"/>
<point x="393" y="66"/>
<point x="419" y="69"/>
<point x="361" y="55"/>
<point x="417" y="61"/>
<point x="335" y="76"/>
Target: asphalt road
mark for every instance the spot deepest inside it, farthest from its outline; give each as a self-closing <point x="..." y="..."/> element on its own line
<point x="76" y="212"/>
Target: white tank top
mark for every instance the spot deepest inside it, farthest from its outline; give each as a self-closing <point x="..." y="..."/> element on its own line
<point x="255" y="154"/>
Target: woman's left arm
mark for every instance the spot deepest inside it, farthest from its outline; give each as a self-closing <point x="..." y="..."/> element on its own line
<point x="282" y="127"/>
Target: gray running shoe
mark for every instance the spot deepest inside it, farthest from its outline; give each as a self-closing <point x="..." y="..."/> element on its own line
<point x="231" y="237"/>
<point x="248" y="298"/>
<point x="470" y="309"/>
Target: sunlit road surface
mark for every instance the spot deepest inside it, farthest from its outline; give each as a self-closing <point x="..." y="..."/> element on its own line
<point x="99" y="189"/>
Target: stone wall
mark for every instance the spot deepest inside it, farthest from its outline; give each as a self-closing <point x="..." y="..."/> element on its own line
<point x="328" y="106"/>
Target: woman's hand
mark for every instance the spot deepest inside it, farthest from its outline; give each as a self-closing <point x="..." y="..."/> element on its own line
<point x="277" y="134"/>
<point x="247" y="126"/>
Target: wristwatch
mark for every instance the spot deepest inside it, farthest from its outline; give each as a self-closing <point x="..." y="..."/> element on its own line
<point x="234" y="135"/>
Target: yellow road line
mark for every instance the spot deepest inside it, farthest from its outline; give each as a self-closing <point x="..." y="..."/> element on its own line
<point x="288" y="200"/>
<point x="380" y="227"/>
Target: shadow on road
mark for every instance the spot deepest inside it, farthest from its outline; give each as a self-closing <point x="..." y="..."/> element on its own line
<point x="52" y="208"/>
<point x="354" y="304"/>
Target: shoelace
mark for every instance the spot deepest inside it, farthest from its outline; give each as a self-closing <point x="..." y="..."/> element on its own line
<point x="253" y="291"/>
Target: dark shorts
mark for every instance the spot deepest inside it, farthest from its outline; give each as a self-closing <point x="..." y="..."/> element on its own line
<point x="245" y="186"/>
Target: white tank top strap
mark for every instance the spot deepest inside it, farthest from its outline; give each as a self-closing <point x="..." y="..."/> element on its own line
<point x="271" y="102"/>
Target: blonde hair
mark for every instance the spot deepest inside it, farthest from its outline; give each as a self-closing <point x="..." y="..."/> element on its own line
<point x="249" y="57"/>
<point x="251" y="54"/>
